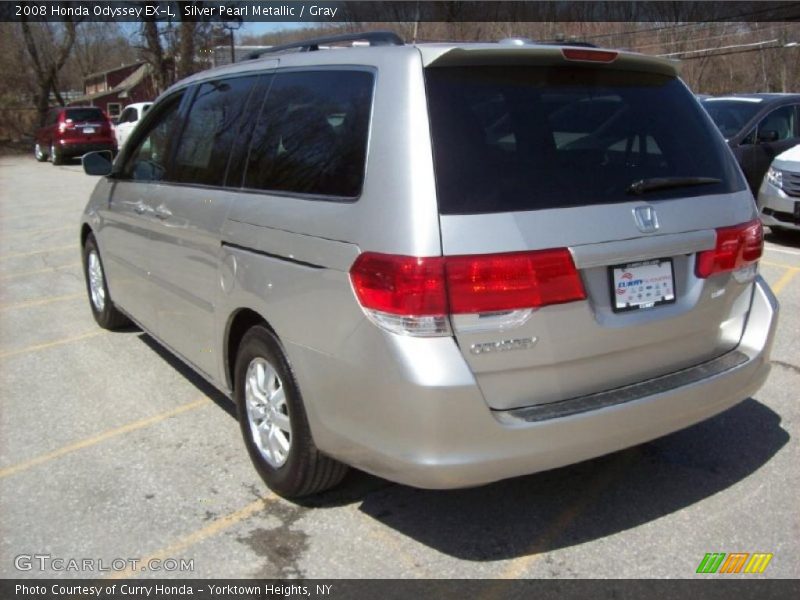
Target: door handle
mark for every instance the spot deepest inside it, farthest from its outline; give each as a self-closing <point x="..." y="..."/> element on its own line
<point x="141" y="208"/>
<point x="162" y="213"/>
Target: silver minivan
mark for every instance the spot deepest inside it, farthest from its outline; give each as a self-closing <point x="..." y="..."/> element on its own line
<point x="444" y="264"/>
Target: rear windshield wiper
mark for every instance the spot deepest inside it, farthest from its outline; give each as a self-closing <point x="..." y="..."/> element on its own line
<point x="660" y="183"/>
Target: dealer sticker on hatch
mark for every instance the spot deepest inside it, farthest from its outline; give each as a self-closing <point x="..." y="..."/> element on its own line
<point x="642" y="284"/>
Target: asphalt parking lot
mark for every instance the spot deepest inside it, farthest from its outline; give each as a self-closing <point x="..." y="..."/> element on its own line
<point x="111" y="449"/>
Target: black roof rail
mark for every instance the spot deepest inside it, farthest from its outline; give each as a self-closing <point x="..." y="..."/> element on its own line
<point x="375" y="38"/>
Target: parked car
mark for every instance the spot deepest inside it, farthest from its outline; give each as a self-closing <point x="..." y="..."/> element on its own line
<point x="73" y="131"/>
<point x="443" y="264"/>
<point x="757" y="127"/>
<point x="779" y="196"/>
<point x="130" y="116"/>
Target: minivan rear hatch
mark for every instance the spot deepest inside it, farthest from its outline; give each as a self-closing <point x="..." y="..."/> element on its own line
<point x="584" y="170"/>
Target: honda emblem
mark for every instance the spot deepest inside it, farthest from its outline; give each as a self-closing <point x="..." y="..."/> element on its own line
<point x="645" y="218"/>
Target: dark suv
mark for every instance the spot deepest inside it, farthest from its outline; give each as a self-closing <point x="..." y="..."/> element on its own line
<point x="757" y="127"/>
<point x="74" y="131"/>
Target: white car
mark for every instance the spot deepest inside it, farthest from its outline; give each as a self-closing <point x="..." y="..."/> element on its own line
<point x="128" y="120"/>
<point x="779" y="196"/>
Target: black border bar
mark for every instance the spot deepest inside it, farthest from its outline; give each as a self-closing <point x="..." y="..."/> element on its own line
<point x="407" y="11"/>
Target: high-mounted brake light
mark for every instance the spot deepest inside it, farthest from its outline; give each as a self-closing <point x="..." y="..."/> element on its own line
<point x="589" y="55"/>
<point x="737" y="247"/>
<point x="415" y="296"/>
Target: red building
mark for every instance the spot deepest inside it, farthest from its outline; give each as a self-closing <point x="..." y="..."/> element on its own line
<point x="113" y="89"/>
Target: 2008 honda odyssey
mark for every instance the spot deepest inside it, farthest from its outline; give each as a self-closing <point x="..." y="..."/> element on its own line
<point x="444" y="264"/>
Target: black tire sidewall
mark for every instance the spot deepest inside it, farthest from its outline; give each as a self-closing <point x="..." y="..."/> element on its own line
<point x="103" y="317"/>
<point x="288" y="479"/>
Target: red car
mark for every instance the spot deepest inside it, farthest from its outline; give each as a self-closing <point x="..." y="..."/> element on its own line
<point x="73" y="131"/>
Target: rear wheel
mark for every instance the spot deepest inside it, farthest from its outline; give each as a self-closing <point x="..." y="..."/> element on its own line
<point x="55" y="155"/>
<point x="105" y="313"/>
<point x="39" y="154"/>
<point x="274" y="423"/>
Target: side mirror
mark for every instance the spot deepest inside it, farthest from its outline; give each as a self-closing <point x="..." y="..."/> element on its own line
<point x="97" y="163"/>
<point x="770" y="135"/>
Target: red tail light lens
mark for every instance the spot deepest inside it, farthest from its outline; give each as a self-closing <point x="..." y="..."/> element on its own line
<point x="738" y="246"/>
<point x="405" y="285"/>
<point x="400" y="285"/>
<point x="589" y="55"/>
<point x="497" y="282"/>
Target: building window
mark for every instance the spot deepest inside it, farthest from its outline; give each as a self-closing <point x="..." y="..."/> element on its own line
<point x="113" y="109"/>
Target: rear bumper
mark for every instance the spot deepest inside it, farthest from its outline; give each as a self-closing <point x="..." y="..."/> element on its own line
<point x="422" y="420"/>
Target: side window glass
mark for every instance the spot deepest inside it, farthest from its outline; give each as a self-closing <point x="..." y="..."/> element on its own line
<point x="126" y="115"/>
<point x="311" y="135"/>
<point x="777" y="125"/>
<point x="148" y="160"/>
<point x="210" y="131"/>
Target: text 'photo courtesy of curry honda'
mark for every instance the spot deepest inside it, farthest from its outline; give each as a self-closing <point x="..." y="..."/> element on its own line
<point x="444" y="264"/>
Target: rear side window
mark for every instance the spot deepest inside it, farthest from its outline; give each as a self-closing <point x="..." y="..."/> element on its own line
<point x="311" y="135"/>
<point x="80" y="115"/>
<point x="782" y="121"/>
<point x="525" y="138"/>
<point x="211" y="128"/>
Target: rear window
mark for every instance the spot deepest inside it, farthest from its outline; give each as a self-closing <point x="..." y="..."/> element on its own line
<point x="518" y="138"/>
<point x="84" y="114"/>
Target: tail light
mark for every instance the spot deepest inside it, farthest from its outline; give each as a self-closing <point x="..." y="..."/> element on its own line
<point x="66" y="124"/>
<point x="589" y="55"/>
<point x="415" y="296"/>
<point x="738" y="247"/>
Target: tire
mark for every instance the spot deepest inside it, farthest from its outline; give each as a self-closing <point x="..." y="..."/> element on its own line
<point x="785" y="235"/>
<point x="55" y="156"/>
<point x="103" y="310"/>
<point x="274" y="423"/>
<point x="39" y="154"/>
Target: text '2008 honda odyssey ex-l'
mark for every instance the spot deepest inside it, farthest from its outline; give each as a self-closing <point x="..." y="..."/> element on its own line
<point x="444" y="264"/>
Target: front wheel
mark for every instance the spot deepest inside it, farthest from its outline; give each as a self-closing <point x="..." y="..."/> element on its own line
<point x="274" y="423"/>
<point x="103" y="310"/>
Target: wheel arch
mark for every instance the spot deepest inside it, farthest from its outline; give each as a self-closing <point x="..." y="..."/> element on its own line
<point x="86" y="231"/>
<point x="239" y="323"/>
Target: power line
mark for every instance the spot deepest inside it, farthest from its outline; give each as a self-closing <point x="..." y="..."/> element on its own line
<point x="686" y="52"/>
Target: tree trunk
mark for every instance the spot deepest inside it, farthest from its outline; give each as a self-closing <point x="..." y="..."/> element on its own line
<point x="46" y="71"/>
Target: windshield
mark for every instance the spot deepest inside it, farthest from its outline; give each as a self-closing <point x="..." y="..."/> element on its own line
<point x="731" y="115"/>
<point x="511" y="138"/>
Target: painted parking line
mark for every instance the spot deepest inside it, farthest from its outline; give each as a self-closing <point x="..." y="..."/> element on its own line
<point x="46" y="251"/>
<point x="102" y="437"/>
<point x="29" y="232"/>
<point x="770" y="263"/>
<point x="41" y="301"/>
<point x="43" y="213"/>
<point x="519" y="566"/>
<point x="215" y="527"/>
<point x="52" y="344"/>
<point x="782" y="250"/>
<point x="38" y="271"/>
<point x="784" y="280"/>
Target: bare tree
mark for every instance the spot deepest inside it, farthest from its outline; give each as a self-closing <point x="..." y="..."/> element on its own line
<point x="48" y="48"/>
